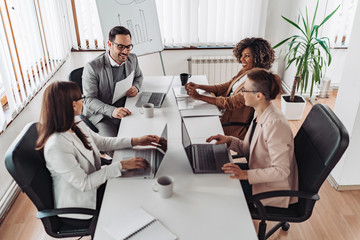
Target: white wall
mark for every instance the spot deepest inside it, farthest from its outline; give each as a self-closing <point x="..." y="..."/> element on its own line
<point x="175" y="61"/>
<point x="347" y="108"/>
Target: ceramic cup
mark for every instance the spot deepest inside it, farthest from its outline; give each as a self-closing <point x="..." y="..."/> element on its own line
<point x="184" y="77"/>
<point x="164" y="186"/>
<point x="148" y="110"/>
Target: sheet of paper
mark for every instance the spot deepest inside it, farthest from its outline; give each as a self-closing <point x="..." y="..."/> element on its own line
<point x="180" y="92"/>
<point x="139" y="225"/>
<point x="122" y="86"/>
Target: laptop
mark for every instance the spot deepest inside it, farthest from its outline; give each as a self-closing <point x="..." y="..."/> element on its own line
<point x="204" y="158"/>
<point x="156" y="98"/>
<point x="154" y="156"/>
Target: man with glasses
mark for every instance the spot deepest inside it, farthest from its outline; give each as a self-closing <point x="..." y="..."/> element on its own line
<point x="100" y="77"/>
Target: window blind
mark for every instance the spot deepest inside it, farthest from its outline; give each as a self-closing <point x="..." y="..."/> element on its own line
<point x="34" y="42"/>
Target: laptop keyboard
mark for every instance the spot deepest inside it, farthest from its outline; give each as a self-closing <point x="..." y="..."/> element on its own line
<point x="146" y="154"/>
<point x="156" y="98"/>
<point x="206" y="157"/>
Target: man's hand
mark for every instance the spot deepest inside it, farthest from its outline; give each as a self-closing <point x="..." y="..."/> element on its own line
<point x="132" y="92"/>
<point x="133" y="163"/>
<point x="120" y="112"/>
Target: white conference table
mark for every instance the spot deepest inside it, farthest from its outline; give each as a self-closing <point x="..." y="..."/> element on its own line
<point x="203" y="206"/>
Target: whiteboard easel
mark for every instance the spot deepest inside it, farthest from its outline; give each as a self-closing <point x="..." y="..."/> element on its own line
<point x="140" y="17"/>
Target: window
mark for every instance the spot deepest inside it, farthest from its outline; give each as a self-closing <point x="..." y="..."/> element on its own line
<point x="210" y="23"/>
<point x="342" y="22"/>
<point x="184" y="23"/>
<point x="34" y="42"/>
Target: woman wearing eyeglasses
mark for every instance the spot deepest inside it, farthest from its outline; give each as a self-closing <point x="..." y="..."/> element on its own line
<point x="250" y="53"/>
<point x="268" y="145"/>
<point x="71" y="150"/>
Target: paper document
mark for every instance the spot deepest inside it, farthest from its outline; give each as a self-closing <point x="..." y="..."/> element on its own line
<point x="180" y="92"/>
<point x="122" y="86"/>
<point x="190" y="107"/>
<point x="137" y="225"/>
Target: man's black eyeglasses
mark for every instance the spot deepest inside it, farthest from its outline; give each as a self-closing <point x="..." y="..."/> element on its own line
<point x="122" y="47"/>
<point x="244" y="90"/>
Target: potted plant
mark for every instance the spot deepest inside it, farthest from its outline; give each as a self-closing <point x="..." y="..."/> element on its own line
<point x="310" y="54"/>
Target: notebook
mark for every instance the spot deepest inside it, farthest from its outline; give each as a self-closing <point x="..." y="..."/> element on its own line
<point x="153" y="155"/>
<point x="138" y="225"/>
<point x="156" y="98"/>
<point x="204" y="158"/>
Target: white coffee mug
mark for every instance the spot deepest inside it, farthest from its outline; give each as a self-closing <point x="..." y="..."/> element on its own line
<point x="148" y="110"/>
<point x="164" y="186"/>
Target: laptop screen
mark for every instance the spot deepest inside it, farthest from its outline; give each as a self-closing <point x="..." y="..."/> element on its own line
<point x="186" y="141"/>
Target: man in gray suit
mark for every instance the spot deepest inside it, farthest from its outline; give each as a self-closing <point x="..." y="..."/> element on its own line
<point x="100" y="77"/>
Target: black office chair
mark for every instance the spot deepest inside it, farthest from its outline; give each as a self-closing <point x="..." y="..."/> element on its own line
<point x="27" y="167"/>
<point x="319" y="145"/>
<point x="76" y="77"/>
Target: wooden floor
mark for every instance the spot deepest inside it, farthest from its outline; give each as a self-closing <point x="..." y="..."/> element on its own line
<point x="336" y="216"/>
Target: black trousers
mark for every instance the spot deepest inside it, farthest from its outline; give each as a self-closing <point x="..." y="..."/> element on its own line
<point x="246" y="186"/>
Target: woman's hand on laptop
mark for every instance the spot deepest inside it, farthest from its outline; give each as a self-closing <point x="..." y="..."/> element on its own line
<point x="220" y="139"/>
<point x="134" y="163"/>
<point x="145" y="140"/>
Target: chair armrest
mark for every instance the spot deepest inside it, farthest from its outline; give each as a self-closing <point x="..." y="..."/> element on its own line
<point x="228" y="124"/>
<point x="255" y="199"/>
<point x="89" y="123"/>
<point x="105" y="161"/>
<point x="54" y="212"/>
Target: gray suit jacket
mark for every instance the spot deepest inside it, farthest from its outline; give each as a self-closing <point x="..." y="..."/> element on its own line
<point x="75" y="169"/>
<point x="98" y="85"/>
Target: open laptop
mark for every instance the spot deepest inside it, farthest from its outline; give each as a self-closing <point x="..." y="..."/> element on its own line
<point x="154" y="156"/>
<point x="204" y="158"/>
<point x="156" y="98"/>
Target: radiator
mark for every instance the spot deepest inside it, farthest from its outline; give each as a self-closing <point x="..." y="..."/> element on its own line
<point x="218" y="69"/>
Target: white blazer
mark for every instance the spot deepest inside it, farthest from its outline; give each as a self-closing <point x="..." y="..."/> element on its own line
<point x="74" y="168"/>
<point x="271" y="156"/>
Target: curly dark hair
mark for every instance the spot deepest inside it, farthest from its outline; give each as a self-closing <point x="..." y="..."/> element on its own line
<point x="261" y="50"/>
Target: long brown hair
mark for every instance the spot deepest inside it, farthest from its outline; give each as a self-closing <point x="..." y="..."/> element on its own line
<point x="57" y="112"/>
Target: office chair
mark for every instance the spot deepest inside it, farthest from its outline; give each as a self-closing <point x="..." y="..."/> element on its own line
<point x="319" y="145"/>
<point x="76" y="77"/>
<point x="27" y="166"/>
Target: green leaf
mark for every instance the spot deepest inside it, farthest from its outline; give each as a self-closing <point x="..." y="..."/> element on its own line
<point x="315" y="12"/>
<point x="329" y="16"/>
<point x="294" y="24"/>
<point x="281" y="43"/>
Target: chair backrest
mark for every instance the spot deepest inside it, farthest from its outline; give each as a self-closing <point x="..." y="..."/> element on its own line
<point x="76" y="76"/>
<point x="319" y="145"/>
<point x="27" y="166"/>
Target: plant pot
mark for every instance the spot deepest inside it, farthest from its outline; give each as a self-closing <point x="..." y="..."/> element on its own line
<point x="293" y="110"/>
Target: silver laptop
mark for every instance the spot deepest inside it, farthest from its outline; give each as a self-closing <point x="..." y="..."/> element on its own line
<point x="154" y="156"/>
<point x="156" y="98"/>
<point x="204" y="158"/>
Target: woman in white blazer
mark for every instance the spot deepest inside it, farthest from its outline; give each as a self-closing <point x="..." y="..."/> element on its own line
<point x="268" y="145"/>
<point x="72" y="151"/>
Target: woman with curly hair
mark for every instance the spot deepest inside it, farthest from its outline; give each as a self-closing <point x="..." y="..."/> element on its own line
<point x="250" y="53"/>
